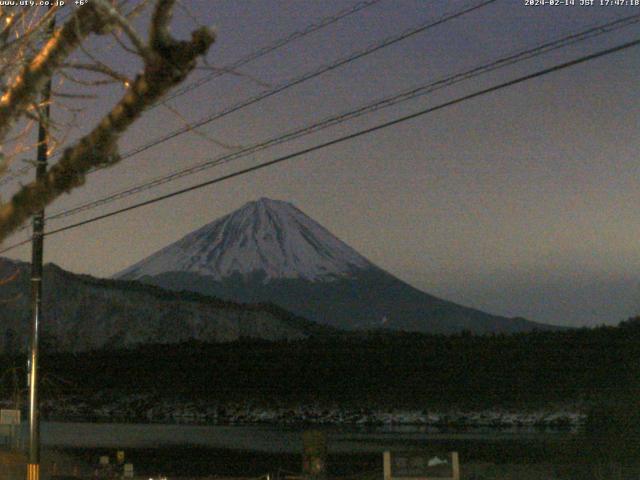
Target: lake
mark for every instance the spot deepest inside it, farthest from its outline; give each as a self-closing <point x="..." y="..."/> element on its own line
<point x="257" y="449"/>
<point x="265" y="438"/>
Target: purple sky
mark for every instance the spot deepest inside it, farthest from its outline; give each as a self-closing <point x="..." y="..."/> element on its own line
<point x="521" y="202"/>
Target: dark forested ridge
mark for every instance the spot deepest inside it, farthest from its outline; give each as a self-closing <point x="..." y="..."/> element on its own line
<point x="366" y="299"/>
<point x="527" y="369"/>
<point x="83" y="313"/>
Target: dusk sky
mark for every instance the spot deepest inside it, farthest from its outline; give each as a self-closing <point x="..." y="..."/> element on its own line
<point x="522" y="202"/>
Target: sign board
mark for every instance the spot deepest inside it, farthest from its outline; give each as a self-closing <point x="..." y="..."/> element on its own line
<point x="104" y="460"/>
<point x="9" y="417"/>
<point x="421" y="465"/>
<point x="128" y="470"/>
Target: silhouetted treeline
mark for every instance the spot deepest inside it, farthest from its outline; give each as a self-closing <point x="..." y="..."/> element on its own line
<point x="372" y="368"/>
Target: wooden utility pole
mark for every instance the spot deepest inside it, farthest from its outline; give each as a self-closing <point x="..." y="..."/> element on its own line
<point x="37" y="249"/>
<point x="37" y="252"/>
<point x="314" y="456"/>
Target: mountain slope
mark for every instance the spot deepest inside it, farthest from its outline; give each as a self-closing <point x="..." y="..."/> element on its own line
<point x="367" y="300"/>
<point x="83" y="313"/>
<point x="267" y="236"/>
<point x="269" y="250"/>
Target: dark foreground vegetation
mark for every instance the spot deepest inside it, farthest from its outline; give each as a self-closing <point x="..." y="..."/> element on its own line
<point x="595" y="370"/>
<point x="538" y="369"/>
<point x="589" y="369"/>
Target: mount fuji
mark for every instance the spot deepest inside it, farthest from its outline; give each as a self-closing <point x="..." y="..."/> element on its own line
<point x="270" y="251"/>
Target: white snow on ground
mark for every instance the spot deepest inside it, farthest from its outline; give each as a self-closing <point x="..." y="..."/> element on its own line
<point x="142" y="409"/>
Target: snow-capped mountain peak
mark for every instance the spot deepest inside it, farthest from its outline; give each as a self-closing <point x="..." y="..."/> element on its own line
<point x="268" y="237"/>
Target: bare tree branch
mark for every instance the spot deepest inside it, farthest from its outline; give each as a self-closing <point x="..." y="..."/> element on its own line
<point x="197" y="132"/>
<point x="168" y="64"/>
<point x="28" y="84"/>
<point x="159" y="36"/>
<point x="101" y="69"/>
<point x="126" y="27"/>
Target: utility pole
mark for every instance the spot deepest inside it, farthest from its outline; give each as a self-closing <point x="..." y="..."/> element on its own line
<point x="37" y="249"/>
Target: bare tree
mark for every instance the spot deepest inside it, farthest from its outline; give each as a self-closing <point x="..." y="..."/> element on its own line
<point x="29" y="57"/>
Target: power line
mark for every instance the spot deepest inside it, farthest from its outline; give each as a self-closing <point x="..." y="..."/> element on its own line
<point x="314" y="27"/>
<point x="16" y="245"/>
<point x="308" y="76"/>
<point x="510" y="59"/>
<point x="309" y="29"/>
<point x="297" y="81"/>
<point x="351" y="136"/>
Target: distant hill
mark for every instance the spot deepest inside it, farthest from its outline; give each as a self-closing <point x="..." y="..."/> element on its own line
<point x="84" y="313"/>
<point x="269" y="251"/>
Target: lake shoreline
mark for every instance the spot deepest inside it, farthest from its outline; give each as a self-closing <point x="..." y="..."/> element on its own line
<point x="243" y="450"/>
